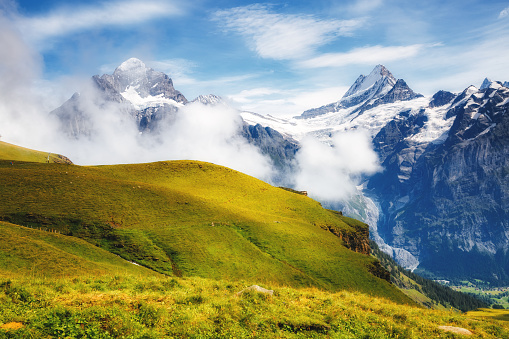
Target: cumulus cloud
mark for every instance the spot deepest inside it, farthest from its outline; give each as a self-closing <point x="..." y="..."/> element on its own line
<point x="69" y="20"/>
<point x="363" y="56"/>
<point x="331" y="172"/>
<point x="283" y="36"/>
<point x="504" y="13"/>
<point x="211" y="133"/>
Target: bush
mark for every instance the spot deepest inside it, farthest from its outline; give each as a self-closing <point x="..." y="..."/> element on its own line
<point x="17" y="294"/>
<point x="148" y="314"/>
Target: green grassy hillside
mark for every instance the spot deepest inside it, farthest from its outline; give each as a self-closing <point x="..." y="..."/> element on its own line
<point x="28" y="252"/>
<point x="188" y="218"/>
<point x="17" y="153"/>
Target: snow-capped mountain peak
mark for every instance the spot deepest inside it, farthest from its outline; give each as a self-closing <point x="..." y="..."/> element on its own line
<point x="210" y="99"/>
<point x="132" y="72"/>
<point x="131" y="64"/>
<point x="363" y="83"/>
<point x="379" y="87"/>
<point x="142" y="86"/>
<point x="486" y="83"/>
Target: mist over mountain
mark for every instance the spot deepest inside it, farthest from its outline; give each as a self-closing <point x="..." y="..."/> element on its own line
<point x="135" y="114"/>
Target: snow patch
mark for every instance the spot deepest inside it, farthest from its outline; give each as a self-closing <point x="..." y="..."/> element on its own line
<point x="506" y="100"/>
<point x="325" y="125"/>
<point x="140" y="102"/>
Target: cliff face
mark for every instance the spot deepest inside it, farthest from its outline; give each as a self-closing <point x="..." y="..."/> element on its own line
<point x="448" y="203"/>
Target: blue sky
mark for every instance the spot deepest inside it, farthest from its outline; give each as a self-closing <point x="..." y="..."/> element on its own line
<point x="276" y="58"/>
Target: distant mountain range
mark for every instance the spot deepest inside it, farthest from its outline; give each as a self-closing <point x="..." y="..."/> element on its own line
<point x="441" y="204"/>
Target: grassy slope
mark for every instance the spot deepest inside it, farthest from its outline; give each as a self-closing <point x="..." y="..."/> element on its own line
<point x="162" y="307"/>
<point x="191" y="219"/>
<point x="29" y="252"/>
<point x="18" y="153"/>
<point x="490" y="313"/>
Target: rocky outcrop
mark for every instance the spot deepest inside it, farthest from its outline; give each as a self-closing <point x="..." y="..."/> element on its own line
<point x="441" y="98"/>
<point x="356" y="239"/>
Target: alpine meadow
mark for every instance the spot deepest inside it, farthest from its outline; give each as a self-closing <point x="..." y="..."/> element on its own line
<point x="239" y="169"/>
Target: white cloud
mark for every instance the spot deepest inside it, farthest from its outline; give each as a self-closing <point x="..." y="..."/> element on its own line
<point x="73" y="19"/>
<point x="283" y="103"/>
<point x="504" y="13"/>
<point x="371" y="55"/>
<point x="255" y="94"/>
<point x="283" y="36"/>
<point x="211" y="133"/>
<point x="330" y="173"/>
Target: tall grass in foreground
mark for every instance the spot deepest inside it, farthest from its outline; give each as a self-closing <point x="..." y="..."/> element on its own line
<point x="160" y="307"/>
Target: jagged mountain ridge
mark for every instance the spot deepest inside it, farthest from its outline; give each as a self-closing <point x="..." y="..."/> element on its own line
<point x="379" y="87"/>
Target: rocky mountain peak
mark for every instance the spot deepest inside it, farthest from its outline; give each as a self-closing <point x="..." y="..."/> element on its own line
<point x="378" y="75"/>
<point x="441" y="98"/>
<point x="486" y="83"/>
<point x="132" y="72"/>
<point x="377" y="88"/>
<point x="210" y="99"/>
<point x="138" y="84"/>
